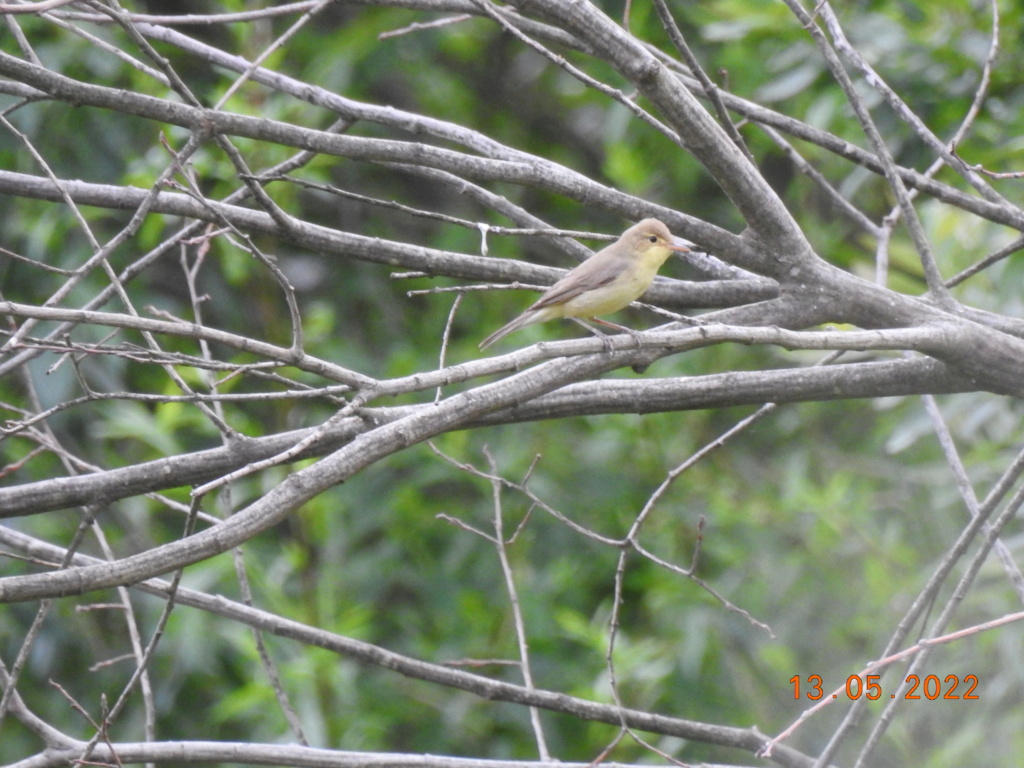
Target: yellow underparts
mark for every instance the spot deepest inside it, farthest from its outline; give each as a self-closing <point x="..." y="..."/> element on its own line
<point x="620" y="292"/>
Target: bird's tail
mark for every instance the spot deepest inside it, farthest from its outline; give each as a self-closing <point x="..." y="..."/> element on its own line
<point x="525" y="319"/>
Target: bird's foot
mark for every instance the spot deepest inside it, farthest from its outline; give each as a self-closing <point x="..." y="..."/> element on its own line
<point x="616" y="326"/>
<point x="635" y="335"/>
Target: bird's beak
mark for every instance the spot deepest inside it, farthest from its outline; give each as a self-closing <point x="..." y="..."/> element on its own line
<point x="680" y="245"/>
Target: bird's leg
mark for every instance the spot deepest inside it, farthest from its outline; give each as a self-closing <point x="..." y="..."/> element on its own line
<point x="607" y="342"/>
<point x="627" y="329"/>
<point x="610" y="324"/>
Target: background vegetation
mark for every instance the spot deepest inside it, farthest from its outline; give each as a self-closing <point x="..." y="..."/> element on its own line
<point x="777" y="541"/>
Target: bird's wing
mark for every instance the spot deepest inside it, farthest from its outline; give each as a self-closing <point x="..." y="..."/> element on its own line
<point x="593" y="273"/>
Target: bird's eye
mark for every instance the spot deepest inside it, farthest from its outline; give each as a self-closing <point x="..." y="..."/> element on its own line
<point x="653" y="238"/>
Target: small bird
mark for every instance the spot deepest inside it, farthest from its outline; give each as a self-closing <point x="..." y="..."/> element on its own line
<point x="606" y="282"/>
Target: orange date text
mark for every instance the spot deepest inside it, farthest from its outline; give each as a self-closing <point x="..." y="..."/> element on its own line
<point x="868" y="686"/>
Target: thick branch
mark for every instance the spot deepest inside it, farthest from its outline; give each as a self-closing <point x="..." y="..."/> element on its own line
<point x="301" y="486"/>
<point x="741" y="181"/>
<point x="408" y="121"/>
<point x="856" y="380"/>
<point x="673" y="294"/>
<point x="534" y="171"/>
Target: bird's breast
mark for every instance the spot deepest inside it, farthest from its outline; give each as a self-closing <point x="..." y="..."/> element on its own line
<point x="612" y="296"/>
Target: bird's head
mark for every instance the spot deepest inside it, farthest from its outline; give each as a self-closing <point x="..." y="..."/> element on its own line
<point x="651" y="238"/>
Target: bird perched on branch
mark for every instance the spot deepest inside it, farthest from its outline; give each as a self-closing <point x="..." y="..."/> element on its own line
<point x="606" y="282"/>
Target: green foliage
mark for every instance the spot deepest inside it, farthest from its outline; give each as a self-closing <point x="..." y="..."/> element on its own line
<point x="809" y="518"/>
